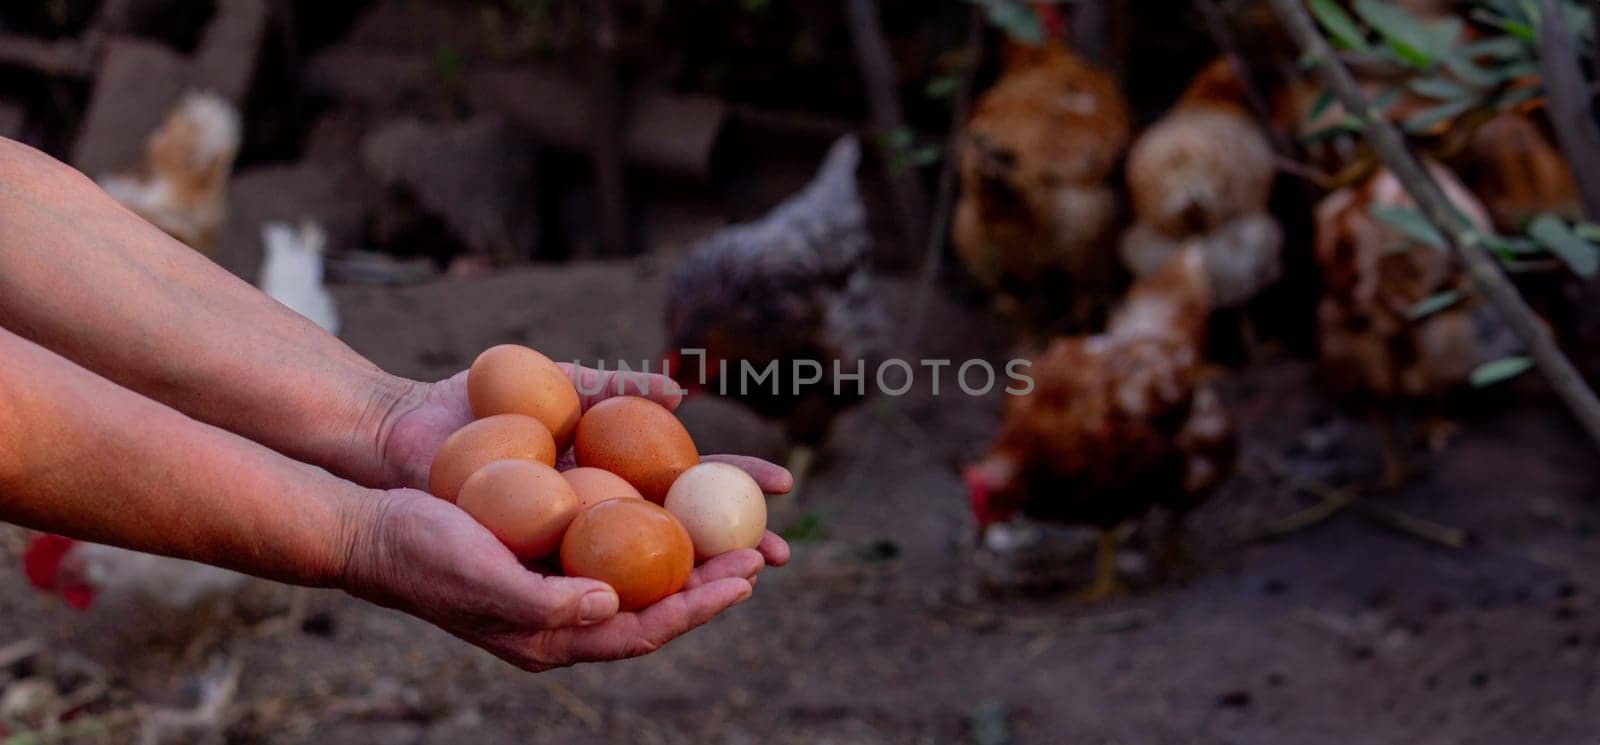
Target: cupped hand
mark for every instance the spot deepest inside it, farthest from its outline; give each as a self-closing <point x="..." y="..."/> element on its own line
<point x="431" y="412"/>
<point x="422" y="555"/>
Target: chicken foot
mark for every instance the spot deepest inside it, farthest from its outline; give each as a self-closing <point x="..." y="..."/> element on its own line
<point x="1106" y="583"/>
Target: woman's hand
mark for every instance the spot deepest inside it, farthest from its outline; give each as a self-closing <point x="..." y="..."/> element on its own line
<point x="419" y="554"/>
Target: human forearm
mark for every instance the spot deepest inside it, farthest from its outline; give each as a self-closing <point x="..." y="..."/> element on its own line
<point x="88" y="279"/>
<point x="83" y="457"/>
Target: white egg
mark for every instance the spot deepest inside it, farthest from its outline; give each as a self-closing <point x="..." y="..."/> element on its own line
<point x="721" y="506"/>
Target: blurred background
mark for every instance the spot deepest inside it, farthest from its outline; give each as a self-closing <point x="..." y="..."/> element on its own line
<point x="1286" y="475"/>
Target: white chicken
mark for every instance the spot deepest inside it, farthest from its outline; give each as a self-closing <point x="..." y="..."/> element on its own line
<point x="182" y="185"/>
<point x="292" y="271"/>
<point x="1203" y="174"/>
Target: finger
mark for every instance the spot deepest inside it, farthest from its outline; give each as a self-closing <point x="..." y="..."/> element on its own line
<point x="773" y="479"/>
<point x="634" y="634"/>
<point x="595" y="386"/>
<point x="558" y="602"/>
<point x="741" y="564"/>
<point x="774" y="549"/>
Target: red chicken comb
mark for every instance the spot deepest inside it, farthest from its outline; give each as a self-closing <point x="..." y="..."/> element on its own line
<point x="1052" y="19"/>
<point x="42" y="561"/>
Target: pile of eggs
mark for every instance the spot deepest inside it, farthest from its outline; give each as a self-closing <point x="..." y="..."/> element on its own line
<point x="638" y="512"/>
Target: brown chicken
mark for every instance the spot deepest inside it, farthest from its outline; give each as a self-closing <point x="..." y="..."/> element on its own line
<point x="1203" y="173"/>
<point x="1513" y="167"/>
<point x="1117" y="423"/>
<point x="182" y="186"/>
<point x="1373" y="346"/>
<point x="1036" y="218"/>
<point x="788" y="290"/>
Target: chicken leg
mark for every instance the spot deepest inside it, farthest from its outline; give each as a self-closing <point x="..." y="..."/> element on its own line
<point x="799" y="465"/>
<point x="1106" y="583"/>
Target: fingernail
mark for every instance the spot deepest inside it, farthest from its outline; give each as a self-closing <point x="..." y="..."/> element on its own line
<point x="597" y="606"/>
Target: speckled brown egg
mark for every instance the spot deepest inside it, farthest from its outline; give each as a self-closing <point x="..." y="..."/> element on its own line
<point x="636" y="439"/>
<point x="513" y="379"/>
<point x="526" y="505"/>
<point x="595" y="486"/>
<point x="638" y="548"/>
<point x="483" y="442"/>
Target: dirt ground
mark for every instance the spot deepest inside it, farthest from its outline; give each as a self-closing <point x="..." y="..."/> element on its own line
<point x="1347" y="632"/>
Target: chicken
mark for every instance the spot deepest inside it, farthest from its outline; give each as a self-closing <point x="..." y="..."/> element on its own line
<point x="1512" y="166"/>
<point x="83" y="573"/>
<point x="1203" y="174"/>
<point x="292" y="271"/>
<point x="1372" y="346"/>
<point x="1117" y="423"/>
<point x="790" y="290"/>
<point x="1036" y="219"/>
<point x="182" y="185"/>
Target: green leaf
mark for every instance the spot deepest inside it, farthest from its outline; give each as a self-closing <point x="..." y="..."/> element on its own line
<point x="1433" y="304"/>
<point x="1320" y="105"/>
<point x="1469" y="72"/>
<point x="1402" y="32"/>
<point x="1498" y="47"/>
<point x="1013" y="17"/>
<point x="1339" y="25"/>
<point x="1443" y="35"/>
<point x="1582" y="256"/>
<point x="1409" y="222"/>
<point x="1439" y="114"/>
<point x="1521" y="69"/>
<point x="1387" y="98"/>
<point x="1509" y="247"/>
<point x="1500" y="370"/>
<point x="943" y="86"/>
<point x="1442" y="89"/>
<point x="1512" y="98"/>
<point x="1587" y="231"/>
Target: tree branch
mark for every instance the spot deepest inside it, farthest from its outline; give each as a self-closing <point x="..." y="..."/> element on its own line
<point x="883" y="101"/>
<point x="945" y="200"/>
<point x="1480" y="265"/>
<point x="1568" y="104"/>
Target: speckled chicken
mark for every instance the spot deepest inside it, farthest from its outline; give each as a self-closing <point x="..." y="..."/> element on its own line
<point x="794" y="286"/>
<point x="1203" y="173"/>
<point x="1373" y="347"/>
<point x="182" y="186"/>
<point x="1117" y="423"/>
<point x="1036" y="219"/>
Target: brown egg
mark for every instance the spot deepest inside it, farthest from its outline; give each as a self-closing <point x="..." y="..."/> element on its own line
<point x="483" y="442"/>
<point x="638" y="440"/>
<point x="527" y="505"/>
<point x="638" y="548"/>
<point x="595" y="486"/>
<point x="721" y="506"/>
<point x="512" y="379"/>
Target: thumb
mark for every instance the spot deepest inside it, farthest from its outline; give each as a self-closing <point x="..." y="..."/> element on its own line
<point x="559" y="602"/>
